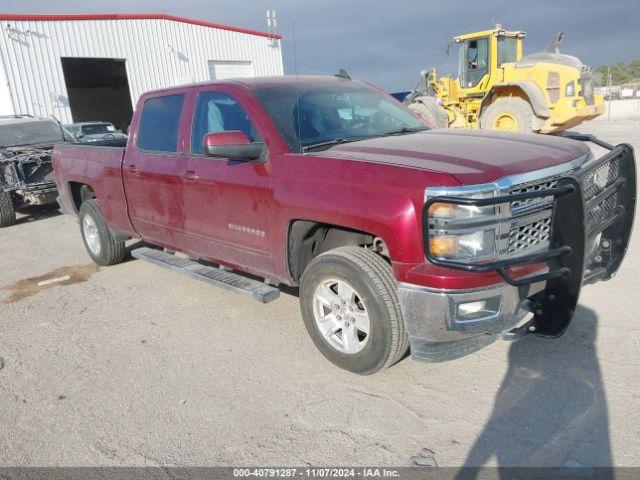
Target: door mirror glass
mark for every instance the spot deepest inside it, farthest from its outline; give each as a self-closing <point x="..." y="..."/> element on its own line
<point x="234" y="145"/>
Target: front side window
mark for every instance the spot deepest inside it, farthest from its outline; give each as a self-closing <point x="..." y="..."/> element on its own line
<point x="219" y="112"/>
<point x="159" y="123"/>
<point x="507" y="49"/>
<point x="474" y="61"/>
<point x="310" y="114"/>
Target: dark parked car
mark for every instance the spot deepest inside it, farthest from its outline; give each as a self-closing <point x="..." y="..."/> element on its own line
<point x="26" y="175"/>
<point x="96" y="132"/>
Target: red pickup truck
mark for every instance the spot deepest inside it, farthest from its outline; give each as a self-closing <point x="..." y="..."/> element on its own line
<point x="397" y="235"/>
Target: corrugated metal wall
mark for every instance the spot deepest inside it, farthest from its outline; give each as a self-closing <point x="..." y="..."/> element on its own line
<point x="158" y="53"/>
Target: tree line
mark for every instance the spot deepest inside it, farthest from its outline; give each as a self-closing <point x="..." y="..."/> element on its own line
<point x="621" y="73"/>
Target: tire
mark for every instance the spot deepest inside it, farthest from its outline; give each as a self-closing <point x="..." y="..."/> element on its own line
<point x="102" y="245"/>
<point x="7" y="210"/>
<point x="374" y="295"/>
<point x="514" y="114"/>
<point x="429" y="109"/>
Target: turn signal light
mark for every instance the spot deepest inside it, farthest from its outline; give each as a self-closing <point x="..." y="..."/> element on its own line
<point x="442" y="210"/>
<point x="442" y="245"/>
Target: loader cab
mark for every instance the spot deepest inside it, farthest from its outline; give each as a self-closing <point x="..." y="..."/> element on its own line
<point x="481" y="54"/>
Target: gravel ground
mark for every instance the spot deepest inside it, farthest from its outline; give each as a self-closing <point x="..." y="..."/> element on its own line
<point x="135" y="365"/>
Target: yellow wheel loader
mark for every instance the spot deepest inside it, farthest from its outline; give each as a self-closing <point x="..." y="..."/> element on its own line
<point x="498" y="88"/>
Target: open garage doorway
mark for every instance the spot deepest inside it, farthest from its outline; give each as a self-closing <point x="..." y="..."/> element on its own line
<point x="98" y="89"/>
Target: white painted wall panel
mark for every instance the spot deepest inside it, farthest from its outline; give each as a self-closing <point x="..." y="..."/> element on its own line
<point x="220" y="70"/>
<point x="159" y="53"/>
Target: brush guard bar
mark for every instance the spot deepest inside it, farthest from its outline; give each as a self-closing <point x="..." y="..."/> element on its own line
<point x="501" y="266"/>
<point x="583" y="247"/>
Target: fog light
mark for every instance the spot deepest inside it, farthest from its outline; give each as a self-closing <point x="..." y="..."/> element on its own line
<point x="478" y="309"/>
<point x="471" y="308"/>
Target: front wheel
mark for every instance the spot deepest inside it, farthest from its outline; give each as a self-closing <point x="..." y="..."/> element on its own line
<point x="512" y="114"/>
<point x="429" y="109"/>
<point x="7" y="210"/>
<point x="102" y="245"/>
<point x="350" y="308"/>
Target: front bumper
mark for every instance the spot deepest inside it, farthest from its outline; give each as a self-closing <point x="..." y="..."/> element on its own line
<point x="437" y="333"/>
<point x="593" y="206"/>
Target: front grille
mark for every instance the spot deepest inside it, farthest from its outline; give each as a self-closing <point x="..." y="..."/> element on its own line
<point x="533" y="235"/>
<point x="534" y="186"/>
<point x="600" y="178"/>
<point x="593" y="184"/>
<point x="526" y="236"/>
<point x="603" y="210"/>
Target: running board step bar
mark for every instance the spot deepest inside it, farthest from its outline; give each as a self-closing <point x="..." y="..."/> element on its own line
<point x="221" y="278"/>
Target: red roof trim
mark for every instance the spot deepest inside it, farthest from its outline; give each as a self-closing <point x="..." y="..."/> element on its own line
<point x="132" y="16"/>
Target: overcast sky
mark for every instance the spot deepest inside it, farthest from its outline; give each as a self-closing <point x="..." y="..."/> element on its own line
<point x="389" y="42"/>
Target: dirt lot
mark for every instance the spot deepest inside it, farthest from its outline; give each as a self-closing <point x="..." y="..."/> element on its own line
<point x="135" y="365"/>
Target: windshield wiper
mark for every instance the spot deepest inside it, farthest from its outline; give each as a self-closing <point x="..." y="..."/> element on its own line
<point x="330" y="143"/>
<point x="401" y="131"/>
<point x="339" y="140"/>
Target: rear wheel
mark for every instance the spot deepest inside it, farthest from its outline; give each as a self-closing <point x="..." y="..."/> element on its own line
<point x="350" y="308"/>
<point x="512" y="114"/>
<point x="102" y="245"/>
<point x="429" y="109"/>
<point x="7" y="210"/>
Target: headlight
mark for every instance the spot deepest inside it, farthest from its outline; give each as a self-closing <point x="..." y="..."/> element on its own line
<point x="481" y="244"/>
<point x="570" y="89"/>
<point x="462" y="232"/>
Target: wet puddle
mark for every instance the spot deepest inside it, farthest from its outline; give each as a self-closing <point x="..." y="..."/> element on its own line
<point x="60" y="276"/>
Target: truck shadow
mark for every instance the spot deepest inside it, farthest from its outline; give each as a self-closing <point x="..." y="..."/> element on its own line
<point x="31" y="213"/>
<point x="551" y="409"/>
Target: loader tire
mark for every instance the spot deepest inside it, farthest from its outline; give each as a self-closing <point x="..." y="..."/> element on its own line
<point x="7" y="210"/>
<point x="512" y="114"/>
<point x="429" y="109"/>
<point x="349" y="303"/>
<point x="102" y="245"/>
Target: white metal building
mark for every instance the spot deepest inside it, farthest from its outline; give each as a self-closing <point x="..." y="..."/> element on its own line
<point x="94" y="67"/>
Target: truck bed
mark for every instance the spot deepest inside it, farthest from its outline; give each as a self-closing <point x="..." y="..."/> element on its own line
<point x="97" y="166"/>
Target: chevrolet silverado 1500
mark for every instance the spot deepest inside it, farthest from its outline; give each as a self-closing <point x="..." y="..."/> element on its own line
<point x="397" y="235"/>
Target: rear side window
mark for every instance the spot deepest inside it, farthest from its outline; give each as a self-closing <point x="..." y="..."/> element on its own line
<point x="159" y="123"/>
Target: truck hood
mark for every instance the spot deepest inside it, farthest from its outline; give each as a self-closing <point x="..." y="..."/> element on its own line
<point x="471" y="156"/>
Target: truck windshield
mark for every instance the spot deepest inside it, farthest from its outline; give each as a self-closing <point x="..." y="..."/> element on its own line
<point x="98" y="128"/>
<point x="309" y="115"/>
<point x="37" y="132"/>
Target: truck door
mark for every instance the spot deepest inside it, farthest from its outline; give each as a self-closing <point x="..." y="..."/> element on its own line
<point x="151" y="168"/>
<point x="227" y="203"/>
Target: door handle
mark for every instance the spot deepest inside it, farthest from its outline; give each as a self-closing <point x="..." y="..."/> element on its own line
<point x="189" y="175"/>
<point x="133" y="170"/>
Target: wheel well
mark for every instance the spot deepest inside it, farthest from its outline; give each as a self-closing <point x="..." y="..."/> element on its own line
<point x="80" y="193"/>
<point x="527" y="91"/>
<point x="503" y="92"/>
<point x="306" y="240"/>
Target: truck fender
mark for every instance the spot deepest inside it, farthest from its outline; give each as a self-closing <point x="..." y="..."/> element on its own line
<point x="534" y="94"/>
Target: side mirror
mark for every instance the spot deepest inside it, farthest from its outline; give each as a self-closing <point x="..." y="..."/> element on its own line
<point x="234" y="145"/>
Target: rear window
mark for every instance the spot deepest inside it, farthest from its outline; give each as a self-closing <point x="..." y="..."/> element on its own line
<point x="159" y="123"/>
